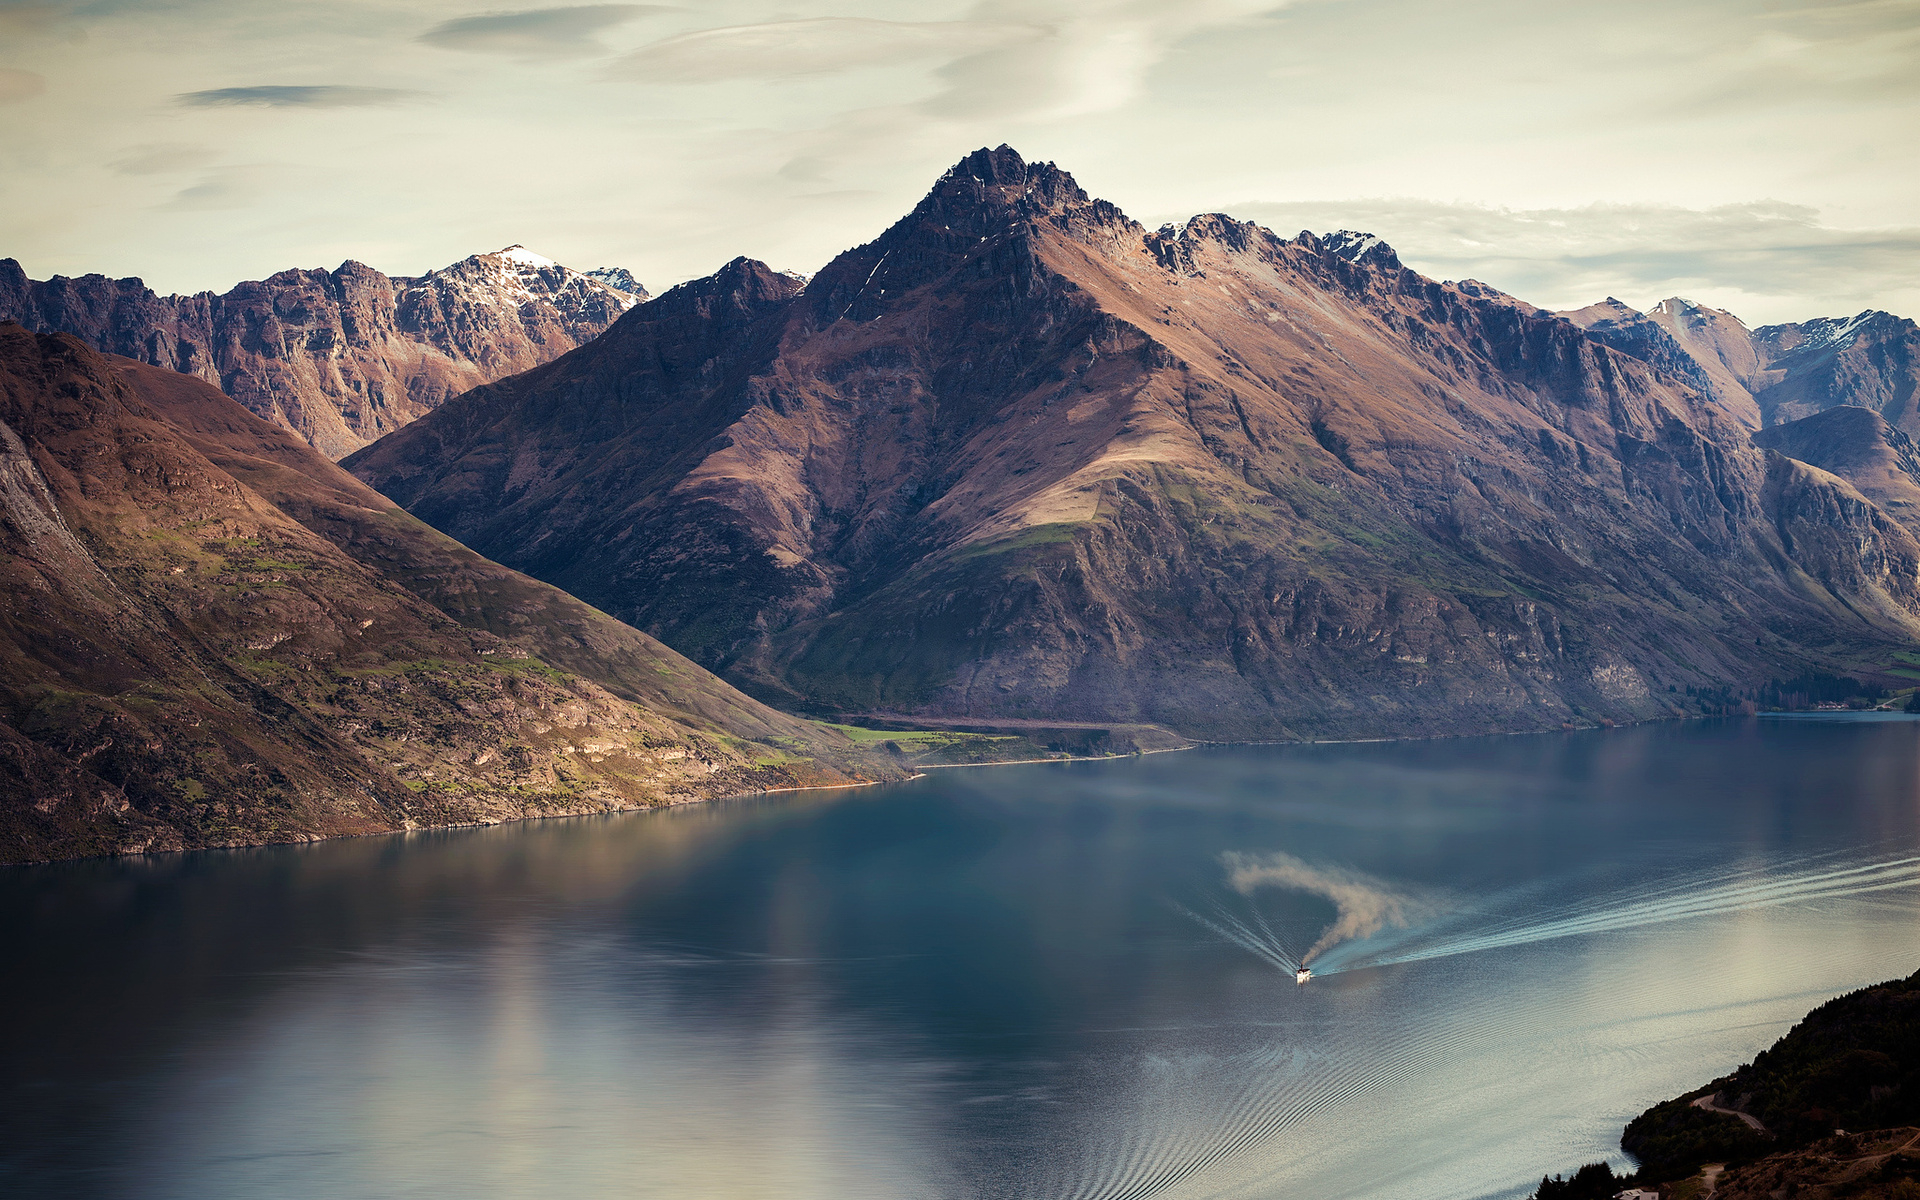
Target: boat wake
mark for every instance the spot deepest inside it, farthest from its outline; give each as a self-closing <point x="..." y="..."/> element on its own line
<point x="1193" y="1113"/>
<point x="1471" y="930"/>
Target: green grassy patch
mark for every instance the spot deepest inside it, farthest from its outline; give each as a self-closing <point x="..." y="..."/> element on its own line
<point x="525" y="666"/>
<point x="912" y="740"/>
<point x="1056" y="534"/>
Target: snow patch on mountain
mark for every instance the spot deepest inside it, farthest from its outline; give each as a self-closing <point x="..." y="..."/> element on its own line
<point x="1826" y="333"/>
<point x="517" y="253"/>
<point x="619" y="279"/>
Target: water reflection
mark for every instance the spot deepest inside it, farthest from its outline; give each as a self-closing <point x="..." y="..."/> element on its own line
<point x="974" y="985"/>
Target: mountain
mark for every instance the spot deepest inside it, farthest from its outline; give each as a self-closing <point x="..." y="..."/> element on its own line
<point x="1710" y="346"/>
<point x="1020" y="457"/>
<point x="339" y="357"/>
<point x="1776" y="373"/>
<point x="211" y="635"/>
<point x="1860" y="447"/>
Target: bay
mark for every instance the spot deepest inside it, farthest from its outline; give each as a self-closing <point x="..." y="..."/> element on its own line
<point x="1026" y="981"/>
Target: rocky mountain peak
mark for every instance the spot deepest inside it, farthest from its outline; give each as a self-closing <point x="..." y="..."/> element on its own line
<point x="620" y="280"/>
<point x="1691" y="314"/>
<point x="1363" y="248"/>
<point x="522" y="256"/>
<point x="990" y="192"/>
<point x="1828" y="333"/>
<point x="341" y="357"/>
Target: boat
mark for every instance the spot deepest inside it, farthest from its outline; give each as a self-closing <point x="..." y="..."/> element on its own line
<point x="1302" y="975"/>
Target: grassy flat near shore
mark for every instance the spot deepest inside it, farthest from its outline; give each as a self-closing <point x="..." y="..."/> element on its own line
<point x="965" y="747"/>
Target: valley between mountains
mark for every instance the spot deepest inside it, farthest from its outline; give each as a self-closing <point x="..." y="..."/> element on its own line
<point x="1017" y="462"/>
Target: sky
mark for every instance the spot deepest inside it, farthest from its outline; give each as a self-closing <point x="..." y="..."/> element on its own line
<point x="1760" y="157"/>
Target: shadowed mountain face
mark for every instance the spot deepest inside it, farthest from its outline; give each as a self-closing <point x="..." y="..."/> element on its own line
<point x="1020" y="457"/>
<point x="1777" y="373"/>
<point x="210" y="635"/>
<point x="339" y="357"/>
<point x="1860" y="447"/>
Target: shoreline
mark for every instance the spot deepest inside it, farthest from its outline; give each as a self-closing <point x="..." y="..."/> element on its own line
<point x="919" y="772"/>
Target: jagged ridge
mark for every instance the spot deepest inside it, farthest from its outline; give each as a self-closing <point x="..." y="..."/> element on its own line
<point x="1019" y="456"/>
<point x="340" y="357"/>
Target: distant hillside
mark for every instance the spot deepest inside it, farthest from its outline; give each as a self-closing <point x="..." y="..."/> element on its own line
<point x="210" y="635"/>
<point x="339" y="357"/>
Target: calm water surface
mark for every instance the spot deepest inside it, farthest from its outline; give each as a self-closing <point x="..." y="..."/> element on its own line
<point x="982" y="984"/>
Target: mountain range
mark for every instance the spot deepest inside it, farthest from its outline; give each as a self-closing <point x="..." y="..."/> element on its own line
<point x="340" y="357"/>
<point x="1017" y="463"/>
<point x="1775" y="374"/>
<point x="1021" y="457"/>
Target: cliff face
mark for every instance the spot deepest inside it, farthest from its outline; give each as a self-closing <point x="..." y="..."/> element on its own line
<point x="1020" y="457"/>
<point x="210" y="635"/>
<point x="1776" y="373"/>
<point x="339" y="357"/>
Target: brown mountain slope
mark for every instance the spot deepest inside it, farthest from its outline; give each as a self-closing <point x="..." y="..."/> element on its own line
<point x="1710" y="345"/>
<point x="340" y="357"/>
<point x="213" y="636"/>
<point x="1020" y="457"/>
<point x="1860" y="447"/>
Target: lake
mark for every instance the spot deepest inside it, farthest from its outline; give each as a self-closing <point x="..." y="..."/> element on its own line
<point x="1060" y="981"/>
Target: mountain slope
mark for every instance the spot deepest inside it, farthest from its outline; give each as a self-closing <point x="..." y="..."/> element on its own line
<point x="1020" y="457"/>
<point x="339" y="357"/>
<point x="1860" y="447"/>
<point x="213" y="636"/>
<point x="1776" y="373"/>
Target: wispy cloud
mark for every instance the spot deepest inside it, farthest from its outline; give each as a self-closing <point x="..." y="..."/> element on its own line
<point x="162" y="158"/>
<point x="16" y="84"/>
<point x="228" y="188"/>
<point x="331" y="95"/>
<point x="818" y="46"/>
<point x="1563" y="258"/>
<point x="1094" y="58"/>
<point x="537" y="33"/>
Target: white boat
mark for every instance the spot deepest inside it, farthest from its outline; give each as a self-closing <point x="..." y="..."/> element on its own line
<point x="1302" y="975"/>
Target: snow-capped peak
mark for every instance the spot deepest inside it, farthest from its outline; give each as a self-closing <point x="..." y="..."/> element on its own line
<point x="517" y="253"/>
<point x="1674" y="306"/>
<point x="619" y="279"/>
<point x="1355" y="246"/>
<point x="1822" y="332"/>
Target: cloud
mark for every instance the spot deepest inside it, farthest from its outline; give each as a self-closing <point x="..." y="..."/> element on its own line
<point x="232" y="187"/>
<point x="818" y="46"/>
<point x="16" y="85"/>
<point x="162" y="158"/>
<point x="25" y="20"/>
<point x="1362" y="905"/>
<point x="1776" y="258"/>
<point x="537" y="33"/>
<point x="1095" y="56"/>
<point x="288" y="96"/>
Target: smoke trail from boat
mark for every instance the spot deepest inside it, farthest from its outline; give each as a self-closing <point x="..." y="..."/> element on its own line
<point x="1362" y="905"/>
